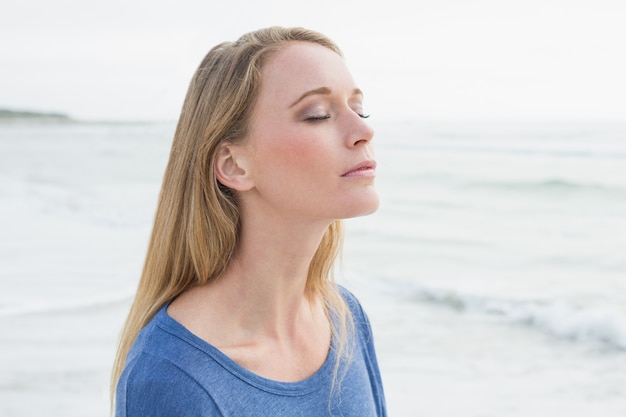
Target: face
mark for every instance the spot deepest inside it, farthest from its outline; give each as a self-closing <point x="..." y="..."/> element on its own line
<point x="309" y="150"/>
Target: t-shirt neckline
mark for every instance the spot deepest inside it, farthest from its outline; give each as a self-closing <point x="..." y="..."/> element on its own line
<point x="305" y="386"/>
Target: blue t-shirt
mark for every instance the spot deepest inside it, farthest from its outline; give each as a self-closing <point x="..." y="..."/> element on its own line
<point x="171" y="372"/>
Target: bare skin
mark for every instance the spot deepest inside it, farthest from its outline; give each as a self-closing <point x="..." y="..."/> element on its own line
<point x="258" y="312"/>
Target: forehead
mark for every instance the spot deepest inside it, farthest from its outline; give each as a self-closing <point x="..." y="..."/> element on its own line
<point x="302" y="66"/>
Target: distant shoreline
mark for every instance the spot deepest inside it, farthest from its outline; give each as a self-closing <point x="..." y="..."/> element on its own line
<point x="7" y="115"/>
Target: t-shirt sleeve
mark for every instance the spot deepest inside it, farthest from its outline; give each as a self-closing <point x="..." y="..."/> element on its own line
<point x="154" y="387"/>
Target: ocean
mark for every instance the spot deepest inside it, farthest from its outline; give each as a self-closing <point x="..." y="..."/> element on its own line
<point x="494" y="272"/>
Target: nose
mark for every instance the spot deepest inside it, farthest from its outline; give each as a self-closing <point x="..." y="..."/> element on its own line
<point x="359" y="131"/>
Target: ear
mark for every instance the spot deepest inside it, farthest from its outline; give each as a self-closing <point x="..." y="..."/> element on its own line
<point x="231" y="168"/>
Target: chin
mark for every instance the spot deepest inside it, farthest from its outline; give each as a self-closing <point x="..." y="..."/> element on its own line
<point x="364" y="206"/>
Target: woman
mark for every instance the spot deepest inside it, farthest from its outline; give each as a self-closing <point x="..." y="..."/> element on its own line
<point x="237" y="313"/>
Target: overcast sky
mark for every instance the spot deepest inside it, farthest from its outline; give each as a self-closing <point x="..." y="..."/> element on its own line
<point x="437" y="59"/>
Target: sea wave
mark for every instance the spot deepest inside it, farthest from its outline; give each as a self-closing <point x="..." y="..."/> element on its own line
<point x="601" y="324"/>
<point x="547" y="185"/>
<point x="438" y="182"/>
<point x="46" y="306"/>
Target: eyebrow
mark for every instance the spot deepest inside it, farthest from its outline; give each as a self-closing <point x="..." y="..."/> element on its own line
<point x="322" y="91"/>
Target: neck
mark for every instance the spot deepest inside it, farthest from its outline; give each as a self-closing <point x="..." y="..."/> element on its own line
<point x="258" y="312"/>
<point x="270" y="270"/>
<point x="264" y="286"/>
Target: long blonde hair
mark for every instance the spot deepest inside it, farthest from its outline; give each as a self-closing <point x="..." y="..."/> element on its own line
<point x="197" y="219"/>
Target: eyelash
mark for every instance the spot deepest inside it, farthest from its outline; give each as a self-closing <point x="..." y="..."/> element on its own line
<point x="327" y="116"/>
<point x="318" y="118"/>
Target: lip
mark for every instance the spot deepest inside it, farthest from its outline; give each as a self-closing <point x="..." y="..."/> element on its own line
<point x="362" y="169"/>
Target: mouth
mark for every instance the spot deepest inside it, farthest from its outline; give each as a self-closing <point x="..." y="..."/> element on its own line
<point x="365" y="169"/>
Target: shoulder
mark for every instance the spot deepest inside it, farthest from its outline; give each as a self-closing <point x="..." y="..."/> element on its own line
<point x="349" y="297"/>
<point x="158" y="379"/>
<point x="353" y="303"/>
<point x="359" y="316"/>
<point x="154" y="386"/>
<point x="365" y="353"/>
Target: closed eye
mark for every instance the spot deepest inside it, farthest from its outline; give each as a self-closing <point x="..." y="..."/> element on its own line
<point x="318" y="117"/>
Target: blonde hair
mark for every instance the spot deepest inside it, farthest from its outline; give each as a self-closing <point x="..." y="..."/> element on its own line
<point x="197" y="219"/>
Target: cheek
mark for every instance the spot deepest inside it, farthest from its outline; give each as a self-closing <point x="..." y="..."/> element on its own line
<point x="289" y="174"/>
<point x="299" y="155"/>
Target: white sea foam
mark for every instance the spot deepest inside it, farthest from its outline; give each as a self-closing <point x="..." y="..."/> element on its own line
<point x="602" y="323"/>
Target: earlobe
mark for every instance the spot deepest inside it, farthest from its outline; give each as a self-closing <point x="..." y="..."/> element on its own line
<point x="231" y="170"/>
